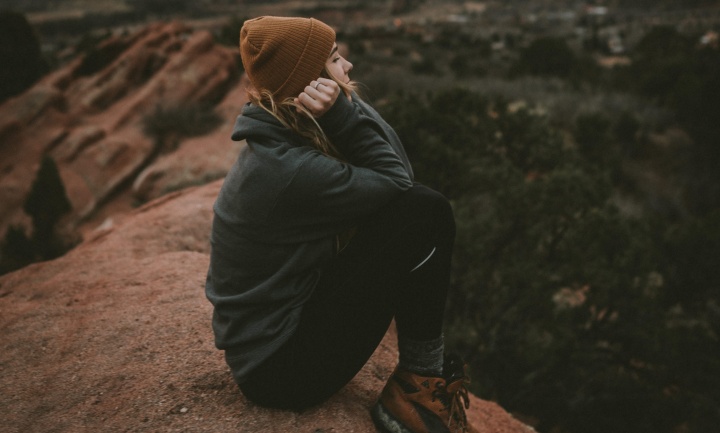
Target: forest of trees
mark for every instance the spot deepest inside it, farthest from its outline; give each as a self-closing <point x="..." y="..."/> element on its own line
<point x="573" y="313"/>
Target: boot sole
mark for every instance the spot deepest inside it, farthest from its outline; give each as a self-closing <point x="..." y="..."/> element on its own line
<point x="385" y="422"/>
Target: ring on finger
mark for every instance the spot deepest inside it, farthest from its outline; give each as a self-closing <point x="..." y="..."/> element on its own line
<point x="317" y="84"/>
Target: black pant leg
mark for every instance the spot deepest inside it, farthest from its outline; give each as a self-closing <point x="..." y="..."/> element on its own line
<point x="365" y="286"/>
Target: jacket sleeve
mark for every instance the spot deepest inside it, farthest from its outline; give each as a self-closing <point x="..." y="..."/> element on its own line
<point x="332" y="195"/>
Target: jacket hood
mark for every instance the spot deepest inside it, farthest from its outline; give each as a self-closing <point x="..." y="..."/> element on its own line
<point x="254" y="122"/>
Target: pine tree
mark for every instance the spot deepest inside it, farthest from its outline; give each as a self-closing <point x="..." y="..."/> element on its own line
<point x="16" y="250"/>
<point x="46" y="204"/>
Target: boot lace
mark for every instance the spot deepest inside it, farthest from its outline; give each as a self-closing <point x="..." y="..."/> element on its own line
<point x="455" y="403"/>
<point x="459" y="401"/>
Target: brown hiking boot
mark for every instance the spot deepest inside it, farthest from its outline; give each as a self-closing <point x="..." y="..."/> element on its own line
<point x="410" y="403"/>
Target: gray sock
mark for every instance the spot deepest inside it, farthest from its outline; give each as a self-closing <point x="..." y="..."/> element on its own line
<point x="422" y="357"/>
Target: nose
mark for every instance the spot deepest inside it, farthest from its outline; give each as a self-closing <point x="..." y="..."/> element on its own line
<point x="348" y="66"/>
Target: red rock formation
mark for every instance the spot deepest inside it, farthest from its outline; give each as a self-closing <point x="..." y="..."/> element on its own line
<point x="116" y="336"/>
<point x="88" y="116"/>
<point x="197" y="159"/>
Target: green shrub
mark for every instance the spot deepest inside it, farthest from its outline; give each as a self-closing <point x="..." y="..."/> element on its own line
<point x="46" y="204"/>
<point x="562" y="305"/>
<point x="426" y="66"/>
<point x="99" y="55"/>
<point x="547" y="56"/>
<point x="592" y="135"/>
<point x="167" y="125"/>
<point x="669" y="69"/>
<point x="16" y="250"/>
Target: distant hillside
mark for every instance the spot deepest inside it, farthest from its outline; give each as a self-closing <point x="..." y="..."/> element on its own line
<point x="135" y="117"/>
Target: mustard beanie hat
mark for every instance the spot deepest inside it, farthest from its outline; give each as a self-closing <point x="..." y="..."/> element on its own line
<point x="283" y="55"/>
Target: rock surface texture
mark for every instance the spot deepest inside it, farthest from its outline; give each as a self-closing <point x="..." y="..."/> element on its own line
<point x="89" y="115"/>
<point x="115" y="336"/>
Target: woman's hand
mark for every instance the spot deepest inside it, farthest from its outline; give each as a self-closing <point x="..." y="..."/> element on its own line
<point x="319" y="96"/>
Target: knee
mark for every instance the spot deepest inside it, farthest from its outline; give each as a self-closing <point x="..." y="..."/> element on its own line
<point x="432" y="206"/>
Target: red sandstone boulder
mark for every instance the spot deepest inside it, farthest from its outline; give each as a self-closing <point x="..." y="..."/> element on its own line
<point x="115" y="336"/>
<point x="89" y="116"/>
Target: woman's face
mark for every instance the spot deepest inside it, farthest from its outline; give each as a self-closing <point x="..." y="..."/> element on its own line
<point x="338" y="66"/>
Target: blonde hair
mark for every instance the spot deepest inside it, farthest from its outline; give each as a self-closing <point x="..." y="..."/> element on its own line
<point x="298" y="119"/>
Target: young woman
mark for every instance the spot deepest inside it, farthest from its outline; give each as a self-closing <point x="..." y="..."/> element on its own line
<point x="321" y="237"/>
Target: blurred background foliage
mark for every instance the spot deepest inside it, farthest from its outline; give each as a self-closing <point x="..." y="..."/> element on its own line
<point x="577" y="311"/>
<point x="20" y="55"/>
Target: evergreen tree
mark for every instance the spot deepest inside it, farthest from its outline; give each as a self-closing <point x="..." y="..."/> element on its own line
<point x="16" y="250"/>
<point x="46" y="204"/>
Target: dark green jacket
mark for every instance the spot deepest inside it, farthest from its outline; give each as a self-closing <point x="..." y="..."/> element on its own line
<point x="278" y="213"/>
